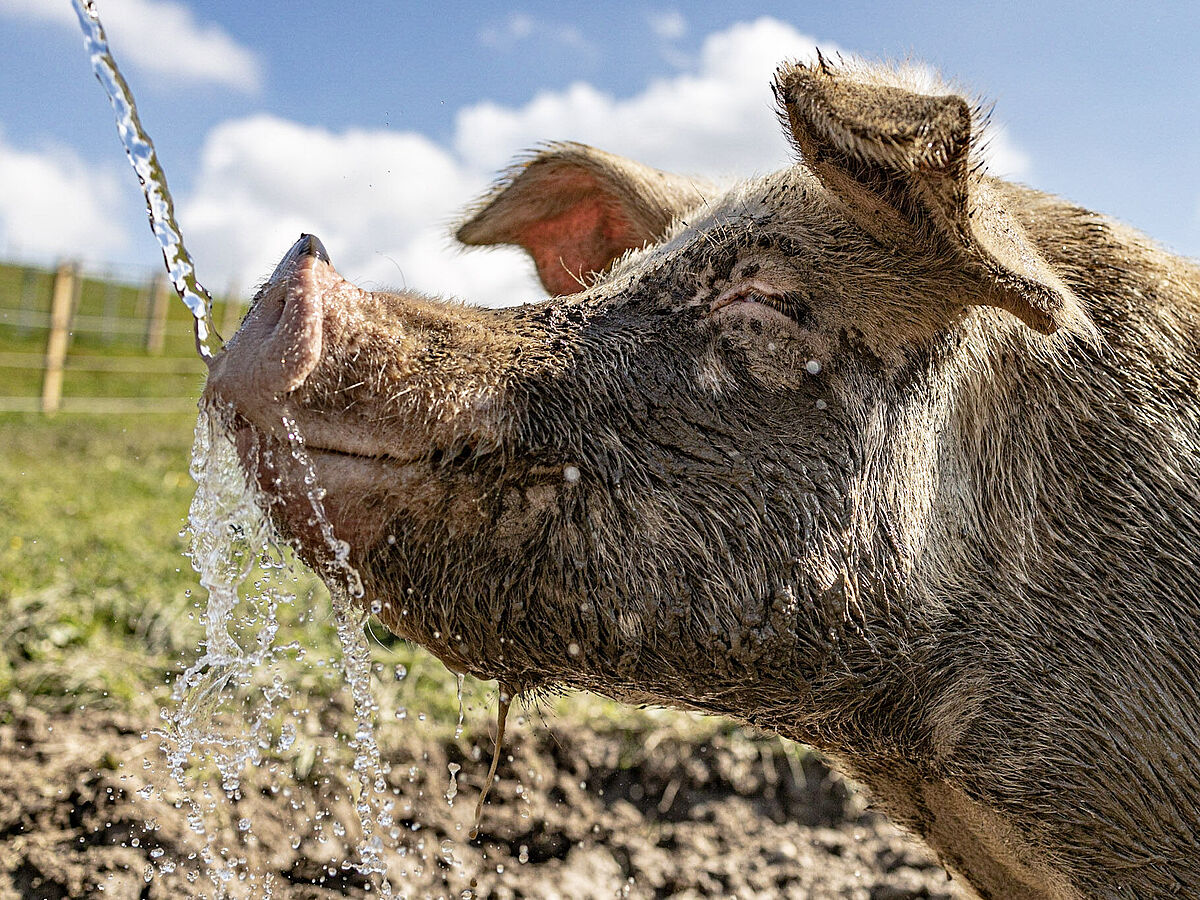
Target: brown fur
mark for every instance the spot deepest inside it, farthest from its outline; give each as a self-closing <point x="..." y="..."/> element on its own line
<point x="877" y="452"/>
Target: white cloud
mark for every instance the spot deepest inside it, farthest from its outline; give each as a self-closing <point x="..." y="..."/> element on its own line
<point x="1004" y="158"/>
<point x="53" y="204"/>
<point x="162" y="37"/>
<point x="717" y="119"/>
<point x="382" y="201"/>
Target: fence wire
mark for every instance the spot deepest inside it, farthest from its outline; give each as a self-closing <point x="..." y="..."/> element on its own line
<point x="76" y="341"/>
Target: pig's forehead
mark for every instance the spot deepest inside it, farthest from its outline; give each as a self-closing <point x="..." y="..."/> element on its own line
<point x="777" y="203"/>
<point x="772" y="201"/>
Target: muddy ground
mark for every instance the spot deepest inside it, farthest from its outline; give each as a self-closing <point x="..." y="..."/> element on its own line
<point x="574" y="813"/>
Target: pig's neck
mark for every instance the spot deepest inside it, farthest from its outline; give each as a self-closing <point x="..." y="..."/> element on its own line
<point x="1052" y="568"/>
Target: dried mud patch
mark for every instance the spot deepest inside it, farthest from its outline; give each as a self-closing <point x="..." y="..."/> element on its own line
<point x="574" y="814"/>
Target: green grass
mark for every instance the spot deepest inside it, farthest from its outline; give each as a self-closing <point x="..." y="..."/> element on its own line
<point x="93" y="583"/>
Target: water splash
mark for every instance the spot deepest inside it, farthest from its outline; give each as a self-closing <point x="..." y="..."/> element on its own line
<point x="159" y="205"/>
<point x="227" y="532"/>
<point x="228" y="704"/>
<point x="346" y="591"/>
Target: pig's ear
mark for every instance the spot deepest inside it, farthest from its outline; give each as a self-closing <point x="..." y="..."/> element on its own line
<point x="902" y="164"/>
<point x="575" y="209"/>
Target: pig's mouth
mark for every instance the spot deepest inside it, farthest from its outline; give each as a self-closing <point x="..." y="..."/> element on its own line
<point x="346" y="424"/>
<point x="300" y="460"/>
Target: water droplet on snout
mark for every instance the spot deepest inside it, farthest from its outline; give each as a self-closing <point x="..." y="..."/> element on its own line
<point x="573" y="649"/>
<point x="821" y="404"/>
<point x="571" y="474"/>
<point x="523" y="854"/>
<point x="243" y="824"/>
<point x="813" y="367"/>
<point x="401" y="671"/>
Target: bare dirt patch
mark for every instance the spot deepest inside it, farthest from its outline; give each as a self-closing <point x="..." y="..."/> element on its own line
<point x="574" y="814"/>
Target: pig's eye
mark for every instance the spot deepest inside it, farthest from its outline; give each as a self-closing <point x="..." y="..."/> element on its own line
<point x="758" y="299"/>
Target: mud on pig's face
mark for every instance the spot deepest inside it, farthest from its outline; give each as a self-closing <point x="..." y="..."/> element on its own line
<point x="653" y="484"/>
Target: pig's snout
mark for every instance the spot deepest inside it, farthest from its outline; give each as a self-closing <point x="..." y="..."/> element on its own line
<point x="398" y="397"/>
<point x="279" y="343"/>
<point x="308" y="245"/>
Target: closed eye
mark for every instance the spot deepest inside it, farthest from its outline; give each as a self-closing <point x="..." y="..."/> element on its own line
<point x="757" y="297"/>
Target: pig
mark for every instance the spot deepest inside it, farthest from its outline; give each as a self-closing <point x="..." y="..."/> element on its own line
<point x="879" y="453"/>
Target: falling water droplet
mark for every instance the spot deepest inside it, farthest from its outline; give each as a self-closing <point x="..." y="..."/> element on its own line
<point x="287" y="736"/>
<point x="458" y="728"/>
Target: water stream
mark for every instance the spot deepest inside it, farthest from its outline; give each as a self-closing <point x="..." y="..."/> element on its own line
<point x="230" y="709"/>
<point x="159" y="205"/>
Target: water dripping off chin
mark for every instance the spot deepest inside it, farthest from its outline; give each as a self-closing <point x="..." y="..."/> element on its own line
<point x="313" y="498"/>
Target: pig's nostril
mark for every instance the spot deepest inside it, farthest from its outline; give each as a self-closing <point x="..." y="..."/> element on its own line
<point x="308" y="245"/>
<point x="311" y="245"/>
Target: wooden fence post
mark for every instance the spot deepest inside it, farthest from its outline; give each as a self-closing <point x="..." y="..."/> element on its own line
<point x="156" y="323"/>
<point x="62" y="304"/>
<point x="110" y="311"/>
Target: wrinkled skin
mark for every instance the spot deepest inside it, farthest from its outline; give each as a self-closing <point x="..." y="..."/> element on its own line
<point x="877" y="452"/>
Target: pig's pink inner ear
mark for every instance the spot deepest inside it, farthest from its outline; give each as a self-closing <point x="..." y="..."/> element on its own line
<point x="576" y="209"/>
<point x="582" y="240"/>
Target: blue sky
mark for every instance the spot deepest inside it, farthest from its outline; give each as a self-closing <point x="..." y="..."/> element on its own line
<point x="371" y="123"/>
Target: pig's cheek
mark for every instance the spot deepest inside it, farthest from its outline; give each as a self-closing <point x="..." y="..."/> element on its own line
<point x="792" y="365"/>
<point x="523" y="512"/>
<point x="363" y="496"/>
<point x="779" y="358"/>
